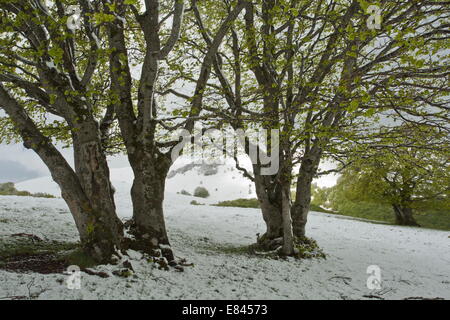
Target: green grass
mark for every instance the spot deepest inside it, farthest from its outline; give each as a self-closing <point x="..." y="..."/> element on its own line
<point x="226" y="249"/>
<point x="367" y="210"/>
<point x="432" y="219"/>
<point x="69" y="253"/>
<point x="23" y="246"/>
<point x="28" y="194"/>
<point x="232" y="250"/>
<point x="42" y="195"/>
<point x="78" y="258"/>
<point x="240" y="203"/>
<point x="254" y="203"/>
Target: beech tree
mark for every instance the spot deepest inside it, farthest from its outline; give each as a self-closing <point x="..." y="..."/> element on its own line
<point x="71" y="74"/>
<point x="149" y="156"/>
<point x="398" y="180"/>
<point x="312" y="69"/>
<point x="43" y="74"/>
<point x="405" y="167"/>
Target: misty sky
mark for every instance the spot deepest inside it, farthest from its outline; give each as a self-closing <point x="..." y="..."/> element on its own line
<point x="19" y="164"/>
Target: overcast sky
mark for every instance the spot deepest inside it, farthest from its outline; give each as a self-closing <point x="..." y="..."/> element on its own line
<point x="19" y="164"/>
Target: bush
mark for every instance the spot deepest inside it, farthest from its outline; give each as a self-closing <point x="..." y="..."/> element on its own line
<point x="8" y="189"/>
<point x="22" y="194"/>
<point x="210" y="172"/>
<point x="201" y="192"/>
<point x="42" y="195"/>
<point x="185" y="193"/>
<point x="240" y="203"/>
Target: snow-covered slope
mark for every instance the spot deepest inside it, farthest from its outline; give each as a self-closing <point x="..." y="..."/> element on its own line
<point x="413" y="261"/>
<point x="227" y="184"/>
<point x="42" y="184"/>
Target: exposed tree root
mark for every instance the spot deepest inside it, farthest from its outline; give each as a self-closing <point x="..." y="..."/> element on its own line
<point x="305" y="248"/>
<point x="159" y="253"/>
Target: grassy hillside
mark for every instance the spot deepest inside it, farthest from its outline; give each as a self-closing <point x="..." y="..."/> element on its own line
<point x="254" y="203"/>
<point x="432" y="219"/>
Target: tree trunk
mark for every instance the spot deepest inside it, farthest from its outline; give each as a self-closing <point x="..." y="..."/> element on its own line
<point x="147" y="193"/>
<point x="102" y="233"/>
<point x="288" y="235"/>
<point x="270" y="200"/>
<point x="300" y="209"/>
<point x="404" y="216"/>
<point x="87" y="191"/>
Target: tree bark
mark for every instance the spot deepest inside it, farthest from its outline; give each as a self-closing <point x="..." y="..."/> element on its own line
<point x="404" y="216"/>
<point x="302" y="204"/>
<point x="147" y="193"/>
<point x="288" y="235"/>
<point x="270" y="200"/>
<point x="93" y="173"/>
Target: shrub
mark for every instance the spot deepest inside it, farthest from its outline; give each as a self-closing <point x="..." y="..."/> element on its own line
<point x="201" y="192"/>
<point x="195" y="203"/>
<point x="42" y="195"/>
<point x="185" y="193"/>
<point x="8" y="189"/>
<point x="210" y="172"/>
<point x="22" y="194"/>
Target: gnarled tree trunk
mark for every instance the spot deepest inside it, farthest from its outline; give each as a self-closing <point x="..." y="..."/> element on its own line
<point x="270" y="199"/>
<point x="404" y="216"/>
<point x="104" y="231"/>
<point x="300" y="209"/>
<point x="147" y="193"/>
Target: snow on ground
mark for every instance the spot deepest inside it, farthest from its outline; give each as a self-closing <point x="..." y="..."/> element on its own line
<point x="227" y="184"/>
<point x="413" y="261"/>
